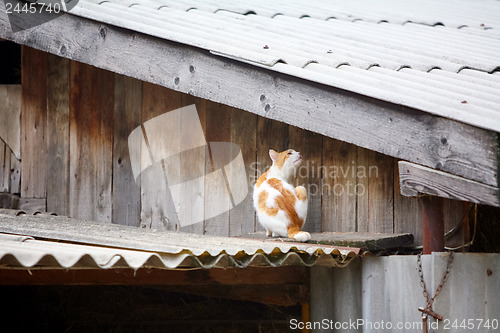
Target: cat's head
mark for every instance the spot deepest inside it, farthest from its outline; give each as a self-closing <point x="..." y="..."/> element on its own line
<point x="286" y="162"/>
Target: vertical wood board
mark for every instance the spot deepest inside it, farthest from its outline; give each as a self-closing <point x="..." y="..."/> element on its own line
<point x="339" y="201"/>
<point x="157" y="210"/>
<point x="375" y="191"/>
<point x="34" y="123"/>
<point x="58" y="108"/>
<point x="244" y="135"/>
<point x="309" y="173"/>
<point x="127" y="115"/>
<point x="218" y="129"/>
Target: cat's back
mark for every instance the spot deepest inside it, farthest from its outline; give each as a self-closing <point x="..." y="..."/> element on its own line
<point x="273" y="190"/>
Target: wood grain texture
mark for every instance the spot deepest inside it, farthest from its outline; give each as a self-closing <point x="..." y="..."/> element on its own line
<point x="157" y="211"/>
<point x="10" y="170"/>
<point x="390" y="129"/>
<point x="244" y="135"/>
<point x="309" y="173"/>
<point x="197" y="166"/>
<point x="407" y="212"/>
<point x="33" y="204"/>
<point x="91" y="142"/>
<point x="339" y="201"/>
<point x="218" y="129"/>
<point x="34" y="123"/>
<point x="58" y="109"/>
<point x="15" y="174"/>
<point x="126" y="201"/>
<point x="10" y="113"/>
<point x="415" y="179"/>
<point x="4" y="168"/>
<point x="260" y="276"/>
<point x="104" y="158"/>
<point x="375" y="192"/>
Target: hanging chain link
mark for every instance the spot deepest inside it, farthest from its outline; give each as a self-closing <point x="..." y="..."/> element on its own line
<point x="430" y="300"/>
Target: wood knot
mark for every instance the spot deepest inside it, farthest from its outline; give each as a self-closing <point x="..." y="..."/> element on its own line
<point x="102" y="32"/>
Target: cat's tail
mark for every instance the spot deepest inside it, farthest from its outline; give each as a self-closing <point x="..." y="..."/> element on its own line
<point x="300" y="236"/>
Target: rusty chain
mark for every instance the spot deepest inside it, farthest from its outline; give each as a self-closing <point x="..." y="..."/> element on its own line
<point x="430" y="300"/>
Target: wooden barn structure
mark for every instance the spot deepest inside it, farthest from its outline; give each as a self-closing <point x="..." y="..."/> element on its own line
<point x="386" y="106"/>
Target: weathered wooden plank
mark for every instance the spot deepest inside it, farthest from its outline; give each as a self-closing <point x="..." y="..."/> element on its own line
<point x="383" y="127"/>
<point x="10" y="113"/>
<point x="259" y="276"/>
<point x="91" y="125"/>
<point x="407" y="211"/>
<point x="197" y="166"/>
<point x="10" y="170"/>
<point x="338" y="202"/>
<point x="127" y="114"/>
<point x="104" y="145"/>
<point x="15" y="174"/>
<point x="375" y="192"/>
<point x="191" y="282"/>
<point x="244" y="134"/>
<point x="4" y="168"/>
<point x="415" y="179"/>
<point x="9" y="201"/>
<point x="157" y="211"/>
<point x="280" y="294"/>
<point x="370" y="241"/>
<point x="34" y="123"/>
<point x="309" y="173"/>
<point x="271" y="134"/>
<point x="58" y="108"/>
<point x="33" y="204"/>
<point x="283" y="286"/>
<point x="218" y="129"/>
<point x="83" y="111"/>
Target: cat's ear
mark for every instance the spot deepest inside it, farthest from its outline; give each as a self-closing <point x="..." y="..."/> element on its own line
<point x="273" y="155"/>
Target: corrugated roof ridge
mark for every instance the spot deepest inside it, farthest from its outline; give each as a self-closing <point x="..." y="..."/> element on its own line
<point x="157" y="241"/>
<point x="35" y="253"/>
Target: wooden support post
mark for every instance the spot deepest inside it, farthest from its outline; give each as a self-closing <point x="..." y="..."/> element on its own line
<point x="432" y="224"/>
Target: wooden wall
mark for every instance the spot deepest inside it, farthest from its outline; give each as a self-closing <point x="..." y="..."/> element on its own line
<point x="75" y="127"/>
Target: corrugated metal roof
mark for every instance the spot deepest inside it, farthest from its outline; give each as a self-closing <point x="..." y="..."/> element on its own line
<point x="59" y="242"/>
<point x="421" y="54"/>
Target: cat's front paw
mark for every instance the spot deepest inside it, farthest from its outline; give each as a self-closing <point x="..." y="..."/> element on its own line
<point x="302" y="236"/>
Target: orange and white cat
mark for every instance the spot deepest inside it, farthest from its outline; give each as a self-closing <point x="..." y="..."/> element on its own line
<point x="281" y="208"/>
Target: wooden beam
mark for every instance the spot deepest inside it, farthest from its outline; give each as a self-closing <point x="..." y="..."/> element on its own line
<point x="390" y="129"/>
<point x="416" y="179"/>
<point x="280" y="294"/>
<point x="125" y="276"/>
<point x="283" y="286"/>
<point x="369" y="241"/>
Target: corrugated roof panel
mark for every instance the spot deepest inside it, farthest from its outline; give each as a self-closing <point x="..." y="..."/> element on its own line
<point x="458" y="83"/>
<point x="28" y="241"/>
<point x="292" y="36"/>
<point x="451" y="88"/>
<point x="18" y="251"/>
<point x="390" y="89"/>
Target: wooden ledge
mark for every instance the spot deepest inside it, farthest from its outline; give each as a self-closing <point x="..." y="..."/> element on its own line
<point x="416" y="180"/>
<point x="368" y="241"/>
